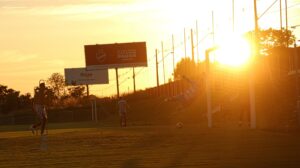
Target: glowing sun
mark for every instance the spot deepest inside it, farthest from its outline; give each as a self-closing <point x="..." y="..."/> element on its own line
<point x="233" y="51"/>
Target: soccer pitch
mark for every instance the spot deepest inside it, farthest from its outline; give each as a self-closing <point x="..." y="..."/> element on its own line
<point x="150" y="146"/>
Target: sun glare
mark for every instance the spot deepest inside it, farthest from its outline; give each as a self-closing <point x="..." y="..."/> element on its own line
<point x="233" y="51"/>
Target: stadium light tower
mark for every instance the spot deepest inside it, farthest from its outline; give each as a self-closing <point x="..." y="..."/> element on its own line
<point x="296" y="74"/>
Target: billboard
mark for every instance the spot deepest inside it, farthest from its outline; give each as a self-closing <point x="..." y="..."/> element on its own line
<point x="116" y="55"/>
<point x="80" y="76"/>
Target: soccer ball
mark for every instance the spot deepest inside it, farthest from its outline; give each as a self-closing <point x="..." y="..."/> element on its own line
<point x="179" y="125"/>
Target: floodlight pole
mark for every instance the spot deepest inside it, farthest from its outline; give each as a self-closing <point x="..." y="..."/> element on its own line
<point x="117" y="79"/>
<point x="251" y="73"/>
<point x="208" y="88"/>
<point x="297" y="76"/>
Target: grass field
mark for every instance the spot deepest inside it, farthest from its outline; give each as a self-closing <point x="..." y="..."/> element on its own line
<point x="90" y="145"/>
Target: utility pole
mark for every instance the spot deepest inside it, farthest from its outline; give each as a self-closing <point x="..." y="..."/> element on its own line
<point x="184" y="44"/>
<point x="197" y="40"/>
<point x="208" y="91"/>
<point x="296" y="67"/>
<point x="232" y="15"/>
<point x="192" y="46"/>
<point x="163" y="60"/>
<point x="133" y="77"/>
<point x="213" y="26"/>
<point x="286" y="16"/>
<point x="157" y="76"/>
<point x="117" y="79"/>
<point x="251" y="74"/>
<point x="173" y="51"/>
<point x="256" y="20"/>
<point x="280" y="11"/>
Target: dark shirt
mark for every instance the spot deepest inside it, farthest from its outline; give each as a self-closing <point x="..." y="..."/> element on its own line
<point x="39" y="97"/>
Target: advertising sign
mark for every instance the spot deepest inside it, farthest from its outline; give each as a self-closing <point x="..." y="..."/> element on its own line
<point x="80" y="76"/>
<point x="116" y="55"/>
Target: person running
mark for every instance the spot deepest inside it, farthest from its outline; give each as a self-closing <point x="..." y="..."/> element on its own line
<point x="122" y="108"/>
<point x="39" y="107"/>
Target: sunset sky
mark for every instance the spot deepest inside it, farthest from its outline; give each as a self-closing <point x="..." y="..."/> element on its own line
<point x="40" y="37"/>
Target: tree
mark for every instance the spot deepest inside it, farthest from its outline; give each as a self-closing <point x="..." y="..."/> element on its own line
<point x="272" y="38"/>
<point x="77" y="91"/>
<point x="188" y="68"/>
<point x="57" y="82"/>
<point x="25" y="100"/>
<point x="9" y="99"/>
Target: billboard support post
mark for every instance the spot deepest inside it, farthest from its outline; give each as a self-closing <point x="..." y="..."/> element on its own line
<point x="133" y="76"/>
<point x="117" y="79"/>
<point x="87" y="91"/>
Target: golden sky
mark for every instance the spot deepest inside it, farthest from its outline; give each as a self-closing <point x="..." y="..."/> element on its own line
<point x="38" y="38"/>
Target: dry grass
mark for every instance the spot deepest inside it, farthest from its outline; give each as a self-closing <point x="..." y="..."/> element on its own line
<point x="151" y="146"/>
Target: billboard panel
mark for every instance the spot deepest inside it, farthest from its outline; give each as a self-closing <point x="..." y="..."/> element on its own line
<point x="80" y="76"/>
<point x="116" y="55"/>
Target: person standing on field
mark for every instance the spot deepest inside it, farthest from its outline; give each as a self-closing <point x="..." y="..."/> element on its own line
<point x="39" y="107"/>
<point x="122" y="108"/>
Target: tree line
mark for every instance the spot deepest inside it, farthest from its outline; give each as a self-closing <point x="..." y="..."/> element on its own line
<point x="57" y="95"/>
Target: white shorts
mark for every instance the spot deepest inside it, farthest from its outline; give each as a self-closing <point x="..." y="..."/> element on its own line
<point x="41" y="111"/>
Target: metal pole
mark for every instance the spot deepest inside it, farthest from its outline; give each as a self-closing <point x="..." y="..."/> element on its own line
<point x="280" y="12"/>
<point x="213" y="26"/>
<point x="296" y="68"/>
<point x="286" y="21"/>
<point x="297" y="81"/>
<point x="96" y="112"/>
<point x="117" y="79"/>
<point x="184" y="44"/>
<point x="232" y="15"/>
<point x="133" y="76"/>
<point x="208" y="91"/>
<point x="197" y="40"/>
<point x="255" y="20"/>
<point x="157" y="74"/>
<point x="192" y="46"/>
<point x="163" y="60"/>
<point x="87" y="91"/>
<point x="92" y="102"/>
<point x="173" y="51"/>
<point x="251" y="74"/>
<point x="286" y="16"/>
